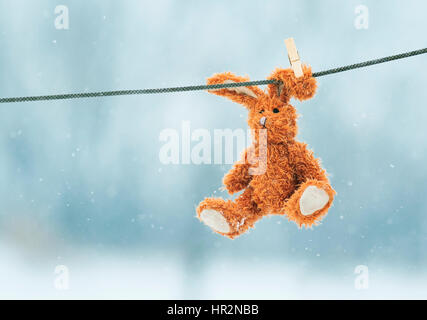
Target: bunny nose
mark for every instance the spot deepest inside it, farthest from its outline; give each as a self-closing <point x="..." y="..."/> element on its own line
<point x="262" y="121"/>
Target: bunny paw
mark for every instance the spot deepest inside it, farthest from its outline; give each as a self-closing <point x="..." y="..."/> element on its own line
<point x="312" y="200"/>
<point x="215" y="220"/>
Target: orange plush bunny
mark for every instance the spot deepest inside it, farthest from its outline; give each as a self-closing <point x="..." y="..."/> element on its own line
<point x="291" y="182"/>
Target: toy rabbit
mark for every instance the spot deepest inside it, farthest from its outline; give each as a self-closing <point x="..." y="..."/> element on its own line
<point x="291" y="182"/>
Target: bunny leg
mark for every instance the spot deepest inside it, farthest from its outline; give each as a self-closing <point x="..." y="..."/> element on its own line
<point x="229" y="218"/>
<point x="310" y="202"/>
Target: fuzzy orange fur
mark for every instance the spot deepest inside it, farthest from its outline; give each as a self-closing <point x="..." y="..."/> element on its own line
<point x="291" y="166"/>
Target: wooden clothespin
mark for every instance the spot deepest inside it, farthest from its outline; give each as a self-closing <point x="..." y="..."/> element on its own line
<point x="294" y="57"/>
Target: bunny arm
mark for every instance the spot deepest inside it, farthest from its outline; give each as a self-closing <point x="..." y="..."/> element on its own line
<point x="306" y="166"/>
<point x="238" y="177"/>
<point x="301" y="88"/>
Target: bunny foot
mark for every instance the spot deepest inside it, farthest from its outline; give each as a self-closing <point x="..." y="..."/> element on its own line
<point x="215" y="220"/>
<point x="312" y="199"/>
<point x="217" y="214"/>
<point x="229" y="218"/>
<point x="310" y="202"/>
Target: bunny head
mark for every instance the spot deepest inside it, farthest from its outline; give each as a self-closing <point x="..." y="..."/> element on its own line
<point x="270" y="110"/>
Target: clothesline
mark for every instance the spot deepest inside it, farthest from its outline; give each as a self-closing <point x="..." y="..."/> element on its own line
<point x="203" y="87"/>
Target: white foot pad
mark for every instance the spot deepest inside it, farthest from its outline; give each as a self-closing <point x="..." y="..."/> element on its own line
<point x="312" y="199"/>
<point x="215" y="220"/>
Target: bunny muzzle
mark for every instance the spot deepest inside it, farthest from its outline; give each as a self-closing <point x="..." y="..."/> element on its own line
<point x="262" y="121"/>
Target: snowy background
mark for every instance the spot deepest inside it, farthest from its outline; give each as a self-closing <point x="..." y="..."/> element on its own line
<point x="81" y="183"/>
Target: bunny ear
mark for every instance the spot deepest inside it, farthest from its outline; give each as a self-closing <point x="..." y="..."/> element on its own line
<point x="247" y="96"/>
<point x="280" y="91"/>
<point x="302" y="88"/>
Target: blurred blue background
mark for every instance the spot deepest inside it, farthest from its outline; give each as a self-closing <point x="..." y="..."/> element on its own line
<point x="81" y="183"/>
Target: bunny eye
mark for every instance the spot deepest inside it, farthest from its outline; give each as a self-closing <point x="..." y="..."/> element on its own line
<point x="261" y="111"/>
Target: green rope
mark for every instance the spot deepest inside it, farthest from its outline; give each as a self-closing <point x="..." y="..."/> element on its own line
<point x="203" y="87"/>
